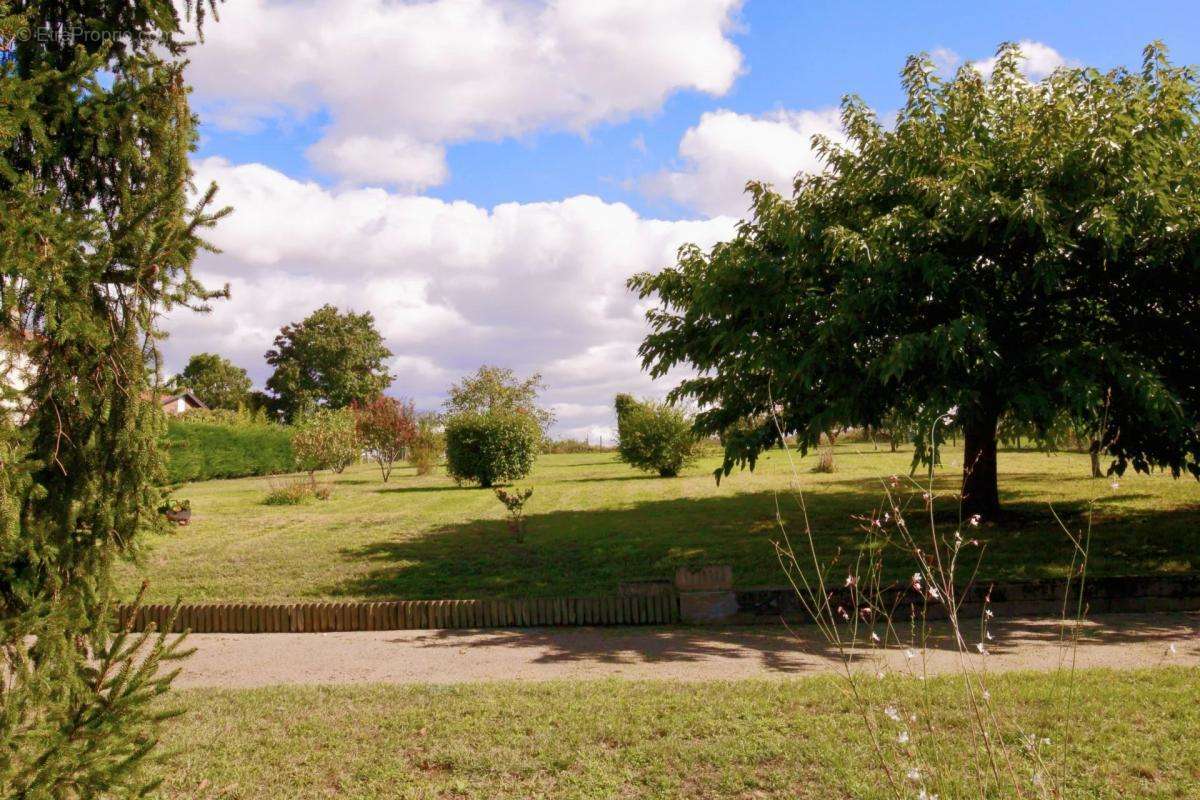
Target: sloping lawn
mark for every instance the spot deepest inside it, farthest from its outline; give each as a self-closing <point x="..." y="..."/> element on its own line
<point x="594" y="521"/>
<point x="1130" y="734"/>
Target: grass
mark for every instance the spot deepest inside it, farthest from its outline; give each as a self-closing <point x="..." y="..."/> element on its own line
<point x="1132" y="736"/>
<point x="594" y="521"/>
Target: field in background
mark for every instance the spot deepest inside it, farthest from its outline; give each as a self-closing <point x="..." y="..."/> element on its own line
<point x="600" y="739"/>
<point x="594" y="521"/>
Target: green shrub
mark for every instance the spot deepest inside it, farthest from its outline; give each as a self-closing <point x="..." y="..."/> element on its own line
<point x="288" y="494"/>
<point x="326" y="439"/>
<point x="201" y="450"/>
<point x="655" y="437"/>
<point x="296" y="492"/>
<point x="575" y="446"/>
<point x="427" y="445"/>
<point x="491" y="447"/>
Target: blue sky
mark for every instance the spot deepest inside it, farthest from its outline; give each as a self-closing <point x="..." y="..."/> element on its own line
<point x="798" y="55"/>
<point x="483" y="175"/>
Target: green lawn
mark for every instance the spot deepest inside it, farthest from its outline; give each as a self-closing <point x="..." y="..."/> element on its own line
<point x="594" y="521"/>
<point x="1131" y="734"/>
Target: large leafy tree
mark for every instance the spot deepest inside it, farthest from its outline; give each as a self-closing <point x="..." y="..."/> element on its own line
<point x="215" y="380"/>
<point x="328" y="359"/>
<point x="97" y="238"/>
<point x="1007" y="249"/>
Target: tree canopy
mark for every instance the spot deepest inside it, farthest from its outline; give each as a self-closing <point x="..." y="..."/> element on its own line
<point x="1007" y="248"/>
<point x="216" y="380"/>
<point x="499" y="389"/>
<point x="328" y="359"/>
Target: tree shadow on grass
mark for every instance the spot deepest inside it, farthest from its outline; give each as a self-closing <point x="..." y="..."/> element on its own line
<point x="386" y="489"/>
<point x="588" y="553"/>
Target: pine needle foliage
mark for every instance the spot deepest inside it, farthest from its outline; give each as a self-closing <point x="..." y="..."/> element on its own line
<point x="98" y="231"/>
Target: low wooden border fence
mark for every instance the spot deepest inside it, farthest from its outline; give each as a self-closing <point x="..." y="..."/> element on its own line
<point x="702" y="595"/>
<point x="317" y="617"/>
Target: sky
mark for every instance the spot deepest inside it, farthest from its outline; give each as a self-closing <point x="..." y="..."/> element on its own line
<point x="484" y="175"/>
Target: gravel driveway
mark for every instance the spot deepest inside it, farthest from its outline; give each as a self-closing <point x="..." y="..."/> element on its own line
<point x="677" y="653"/>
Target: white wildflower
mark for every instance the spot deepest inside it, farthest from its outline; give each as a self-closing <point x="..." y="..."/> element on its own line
<point x="891" y="713"/>
<point x="981" y="648"/>
<point x="903" y="737"/>
<point x="975" y="519"/>
<point x="909" y="654"/>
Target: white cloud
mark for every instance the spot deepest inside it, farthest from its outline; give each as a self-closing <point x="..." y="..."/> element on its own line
<point x="536" y="286"/>
<point x="1039" y="60"/>
<point x="400" y="79"/>
<point x="397" y="160"/>
<point x="727" y="149"/>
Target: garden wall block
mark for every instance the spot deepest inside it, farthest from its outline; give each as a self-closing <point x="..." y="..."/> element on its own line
<point x="705" y="594"/>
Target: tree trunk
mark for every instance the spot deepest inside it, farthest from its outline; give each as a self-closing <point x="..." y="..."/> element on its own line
<point x="980" y="492"/>
<point x="1094" y="451"/>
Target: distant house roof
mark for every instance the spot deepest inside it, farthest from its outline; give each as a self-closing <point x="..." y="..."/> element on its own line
<point x="180" y="402"/>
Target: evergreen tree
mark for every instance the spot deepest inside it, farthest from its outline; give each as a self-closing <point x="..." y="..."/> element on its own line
<point x="97" y="238"/>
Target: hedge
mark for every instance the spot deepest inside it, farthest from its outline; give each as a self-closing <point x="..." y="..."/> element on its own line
<point x="200" y="451"/>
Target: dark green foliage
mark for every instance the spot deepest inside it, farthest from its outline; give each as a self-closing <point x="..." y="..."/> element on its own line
<point x="97" y="238"/>
<point x="328" y="359"/>
<point x="201" y="450"/>
<point x="1008" y="250"/>
<point x="217" y="381"/>
<point x="491" y="447"/>
<point x="655" y="437"/>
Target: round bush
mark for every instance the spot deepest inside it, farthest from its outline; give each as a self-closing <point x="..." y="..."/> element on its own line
<point x="492" y="447"/>
<point x="654" y="436"/>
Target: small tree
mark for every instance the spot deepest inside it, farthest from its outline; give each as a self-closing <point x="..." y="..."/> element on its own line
<point x="386" y="428"/>
<point x="428" y="443"/>
<point x="328" y="359"/>
<point x="514" y="502"/>
<point x="326" y="439"/>
<point x="493" y="447"/>
<point x="217" y="381"/>
<point x="499" y="389"/>
<point x="655" y="437"/>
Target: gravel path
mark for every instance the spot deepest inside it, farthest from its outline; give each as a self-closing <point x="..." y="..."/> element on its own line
<point x="453" y="656"/>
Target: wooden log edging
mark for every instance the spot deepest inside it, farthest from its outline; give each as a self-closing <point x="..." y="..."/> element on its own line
<point x="329" y="617"/>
